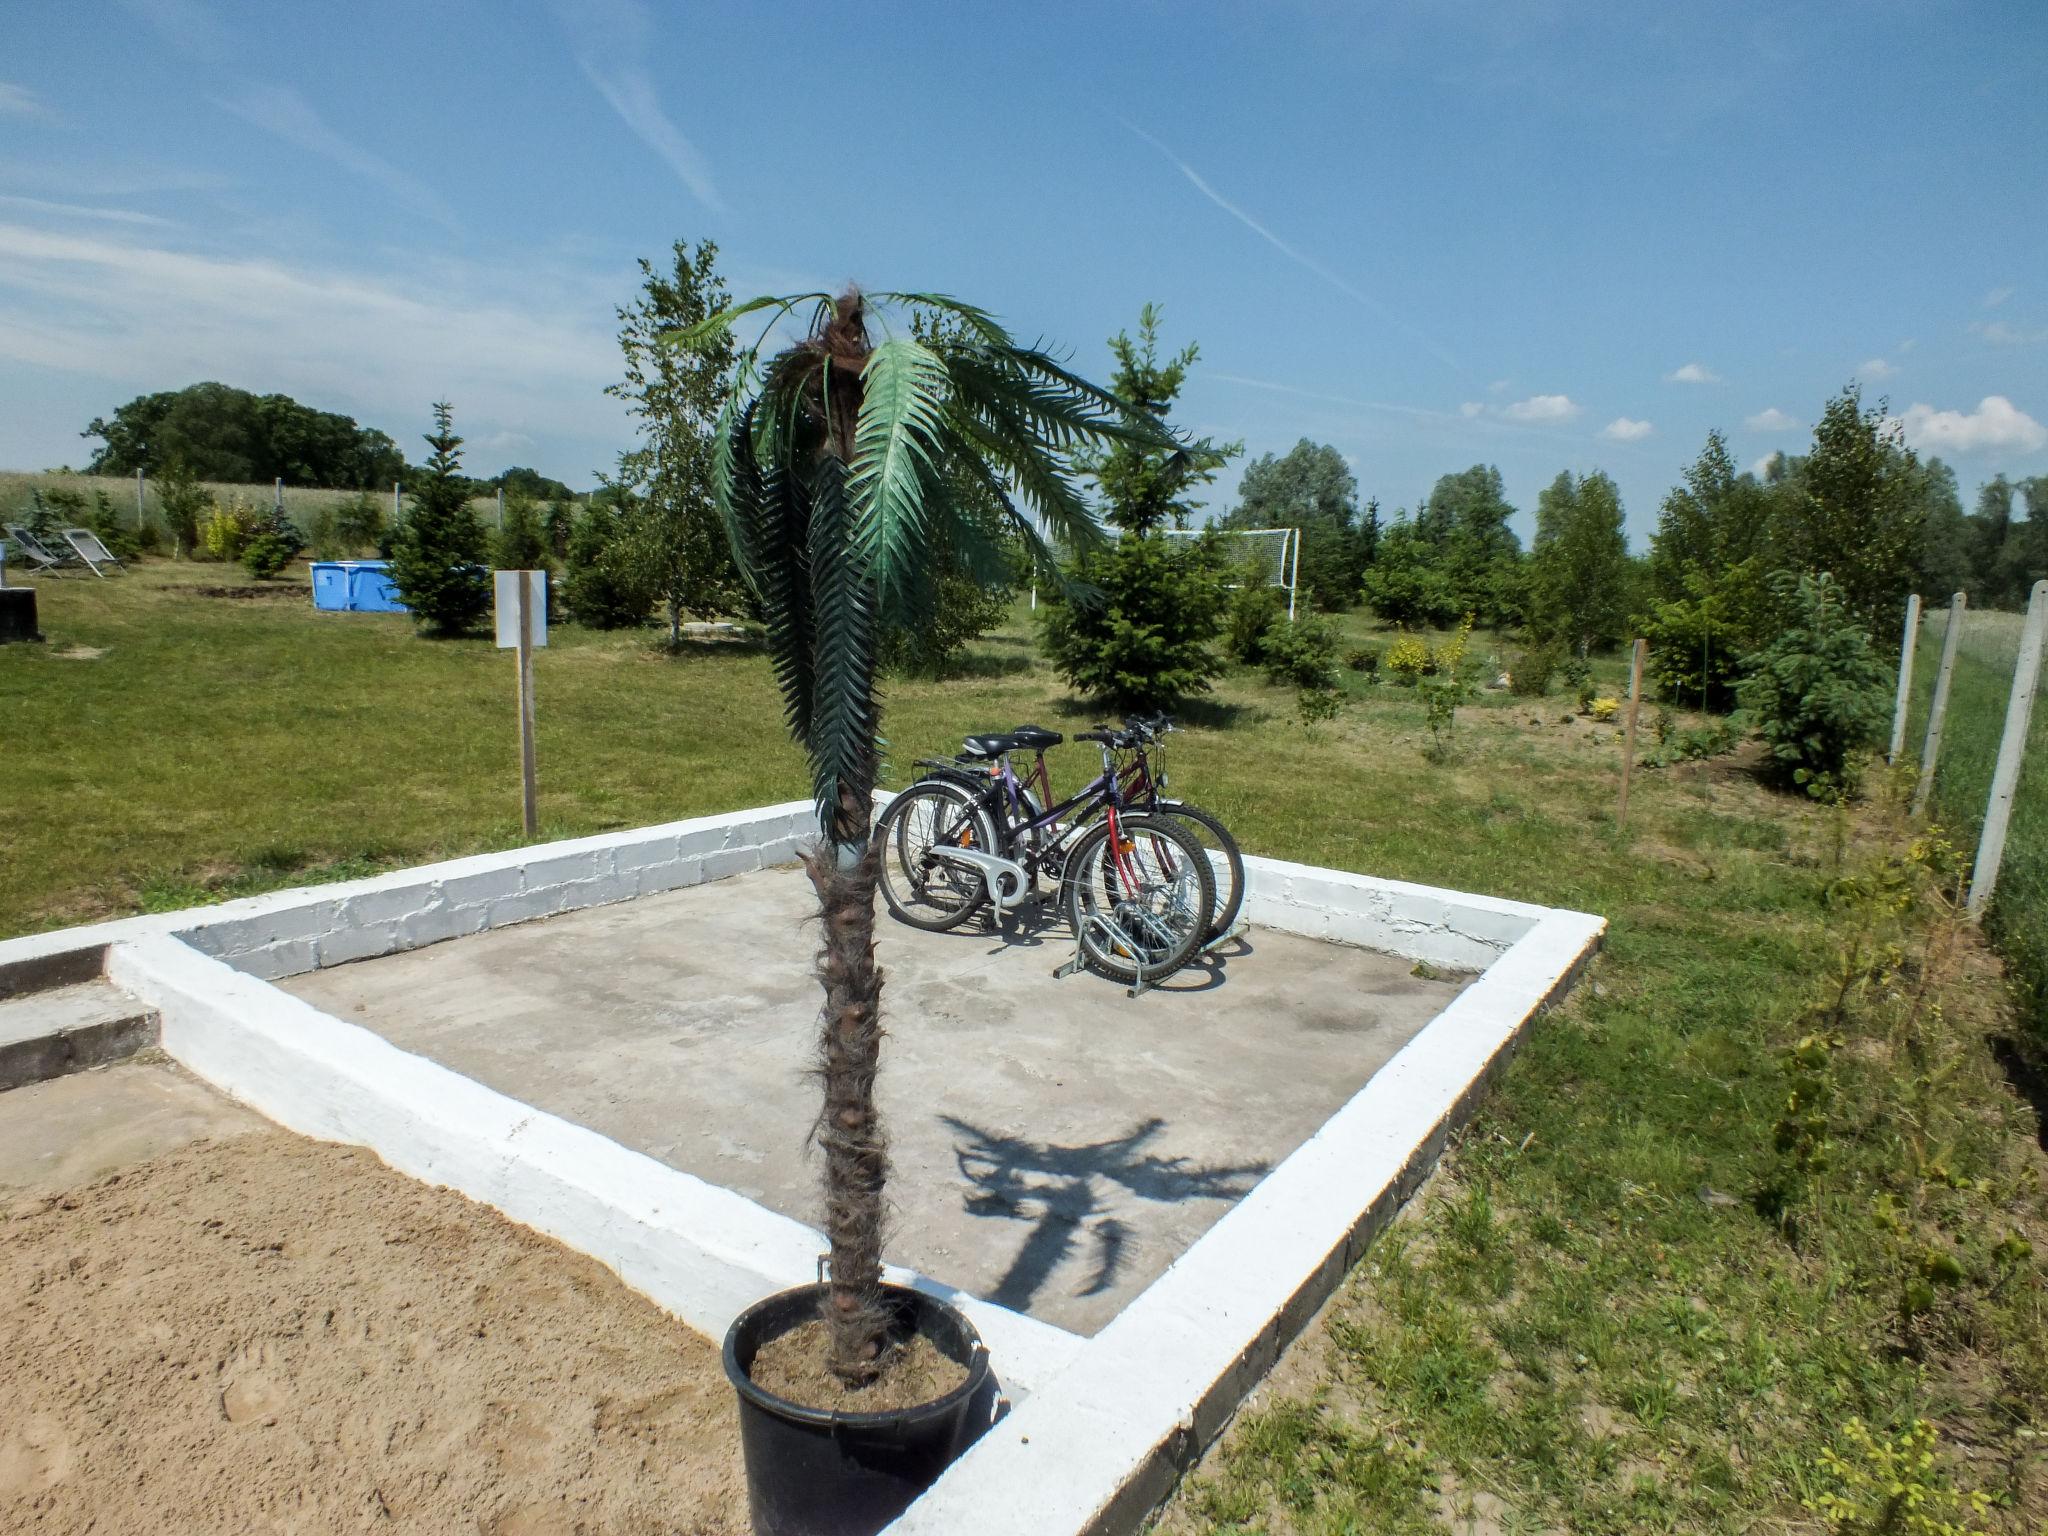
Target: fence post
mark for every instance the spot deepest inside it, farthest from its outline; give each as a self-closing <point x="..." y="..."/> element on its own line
<point x="2012" y="747"/>
<point x="141" y="518"/>
<point x="1905" y="678"/>
<point x="277" y="496"/>
<point x="1628" y="744"/>
<point x="501" y="509"/>
<point x="395" y="508"/>
<point x="1937" y="711"/>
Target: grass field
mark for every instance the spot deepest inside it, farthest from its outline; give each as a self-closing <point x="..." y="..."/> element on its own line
<point x="1640" y="1295"/>
<point x="2018" y="919"/>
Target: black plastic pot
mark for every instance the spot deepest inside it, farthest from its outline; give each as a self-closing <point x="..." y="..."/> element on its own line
<point x="814" y="1472"/>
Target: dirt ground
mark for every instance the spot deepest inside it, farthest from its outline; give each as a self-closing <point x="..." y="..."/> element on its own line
<point x="269" y="1334"/>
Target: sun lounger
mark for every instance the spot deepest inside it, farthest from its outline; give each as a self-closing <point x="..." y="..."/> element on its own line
<point x="94" y="553"/>
<point x="39" y="557"/>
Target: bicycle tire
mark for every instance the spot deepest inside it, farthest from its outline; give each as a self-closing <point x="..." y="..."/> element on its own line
<point x="935" y="896"/>
<point x="1161" y="923"/>
<point x="1230" y="878"/>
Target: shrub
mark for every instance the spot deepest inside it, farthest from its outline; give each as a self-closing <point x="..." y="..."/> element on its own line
<point x="602" y="590"/>
<point x="275" y="543"/>
<point x="521" y="544"/>
<point x="436" y="558"/>
<point x="1139" y="637"/>
<point x="229" y="527"/>
<point x="358" y="522"/>
<point x="1407" y="658"/>
<point x="1254" y="609"/>
<point x="1605" y="708"/>
<point x="185" y="504"/>
<point x="1692" y="746"/>
<point x="1303" y="654"/>
<point x="1816" y="694"/>
<point x="118" y="536"/>
<point x="1530" y="672"/>
<point x="1364" y="659"/>
<point x="1317" y="706"/>
<point x="1445" y="689"/>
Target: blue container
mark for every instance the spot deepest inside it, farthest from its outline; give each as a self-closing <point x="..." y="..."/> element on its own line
<point x="355" y="586"/>
<point x="330" y="585"/>
<point x="371" y="589"/>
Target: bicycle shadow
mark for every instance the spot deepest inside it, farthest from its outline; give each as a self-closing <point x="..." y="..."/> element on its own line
<point x="1065" y="1194"/>
<point x="1038" y="923"/>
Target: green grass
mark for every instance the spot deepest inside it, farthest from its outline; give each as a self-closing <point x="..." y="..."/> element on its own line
<point x="2018" y="918"/>
<point x="1614" y="1310"/>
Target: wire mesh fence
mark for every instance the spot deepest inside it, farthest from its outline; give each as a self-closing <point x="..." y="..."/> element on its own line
<point x="1986" y="656"/>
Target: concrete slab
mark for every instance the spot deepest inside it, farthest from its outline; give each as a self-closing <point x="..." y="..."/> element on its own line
<point x="72" y="1129"/>
<point x="1057" y="1144"/>
<point x="68" y="1029"/>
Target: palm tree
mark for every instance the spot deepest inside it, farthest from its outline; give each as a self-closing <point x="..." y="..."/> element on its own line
<point x="832" y="469"/>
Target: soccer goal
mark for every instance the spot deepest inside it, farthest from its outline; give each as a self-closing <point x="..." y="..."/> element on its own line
<point x="1271" y="555"/>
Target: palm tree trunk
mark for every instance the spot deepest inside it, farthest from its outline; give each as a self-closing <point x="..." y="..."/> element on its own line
<point x="849" y="1127"/>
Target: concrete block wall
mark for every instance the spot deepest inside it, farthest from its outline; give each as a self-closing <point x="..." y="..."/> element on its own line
<point x="286" y="933"/>
<point x="1451" y="929"/>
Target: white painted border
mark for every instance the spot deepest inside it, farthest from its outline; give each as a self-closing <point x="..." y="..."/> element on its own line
<point x="699" y="1250"/>
<point x="1109" y="1423"/>
<point x="1097" y="1448"/>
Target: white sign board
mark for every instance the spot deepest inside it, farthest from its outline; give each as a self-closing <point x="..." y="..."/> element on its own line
<point x="506" y="585"/>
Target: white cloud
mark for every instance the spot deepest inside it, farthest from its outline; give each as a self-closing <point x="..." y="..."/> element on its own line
<point x="78" y="211"/>
<point x="2006" y="335"/>
<point x="511" y="358"/>
<point x="1542" y="408"/>
<point x="1623" y="430"/>
<point x="610" y="36"/>
<point x="1470" y="409"/>
<point x="277" y="110"/>
<point x="1498" y="387"/>
<point x="1908" y="344"/>
<point x="1877" y="368"/>
<point x="1692" y="373"/>
<point x="20" y="101"/>
<point x="1998" y="295"/>
<point x="1762" y="466"/>
<point x="1995" y="423"/>
<point x="1771" y="419"/>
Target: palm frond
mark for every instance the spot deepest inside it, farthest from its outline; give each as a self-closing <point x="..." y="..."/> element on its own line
<point x="976" y="319"/>
<point x="845" y="715"/>
<point x="725" y="319"/>
<point x="897" y="443"/>
<point x="1033" y="470"/>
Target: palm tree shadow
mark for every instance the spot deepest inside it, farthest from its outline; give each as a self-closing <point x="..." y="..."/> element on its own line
<point x="1063" y="1193"/>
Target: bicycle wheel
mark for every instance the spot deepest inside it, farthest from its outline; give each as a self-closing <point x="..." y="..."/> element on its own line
<point x="1139" y="906"/>
<point x="926" y="890"/>
<point x="1224" y="858"/>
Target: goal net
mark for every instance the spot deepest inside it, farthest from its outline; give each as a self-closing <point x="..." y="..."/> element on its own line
<point x="1268" y="555"/>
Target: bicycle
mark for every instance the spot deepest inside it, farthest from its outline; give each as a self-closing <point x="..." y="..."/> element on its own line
<point x="1136" y="888"/>
<point x="1141" y="788"/>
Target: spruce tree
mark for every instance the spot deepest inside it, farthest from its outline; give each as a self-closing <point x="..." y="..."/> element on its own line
<point x="437" y="557"/>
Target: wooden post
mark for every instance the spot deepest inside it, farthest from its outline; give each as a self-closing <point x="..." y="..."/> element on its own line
<point x="2012" y="749"/>
<point x="1628" y="742"/>
<point x="278" y="502"/>
<point x="527" y="788"/>
<point x="141" y="518"/>
<point x="396" y="510"/>
<point x="501" y="509"/>
<point x="1905" y="697"/>
<point x="1937" y="711"/>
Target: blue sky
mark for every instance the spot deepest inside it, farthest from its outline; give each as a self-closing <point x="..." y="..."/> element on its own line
<point x="1542" y="235"/>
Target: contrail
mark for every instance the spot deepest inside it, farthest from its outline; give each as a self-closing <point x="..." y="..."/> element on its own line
<point x="1301" y="258"/>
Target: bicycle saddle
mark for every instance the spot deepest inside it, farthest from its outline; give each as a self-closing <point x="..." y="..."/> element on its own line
<point x="1026" y="738"/>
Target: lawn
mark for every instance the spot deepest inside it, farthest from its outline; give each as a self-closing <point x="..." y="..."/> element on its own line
<point x="1640" y="1294"/>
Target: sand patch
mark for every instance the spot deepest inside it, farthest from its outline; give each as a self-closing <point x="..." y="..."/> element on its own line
<point x="270" y="1334"/>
